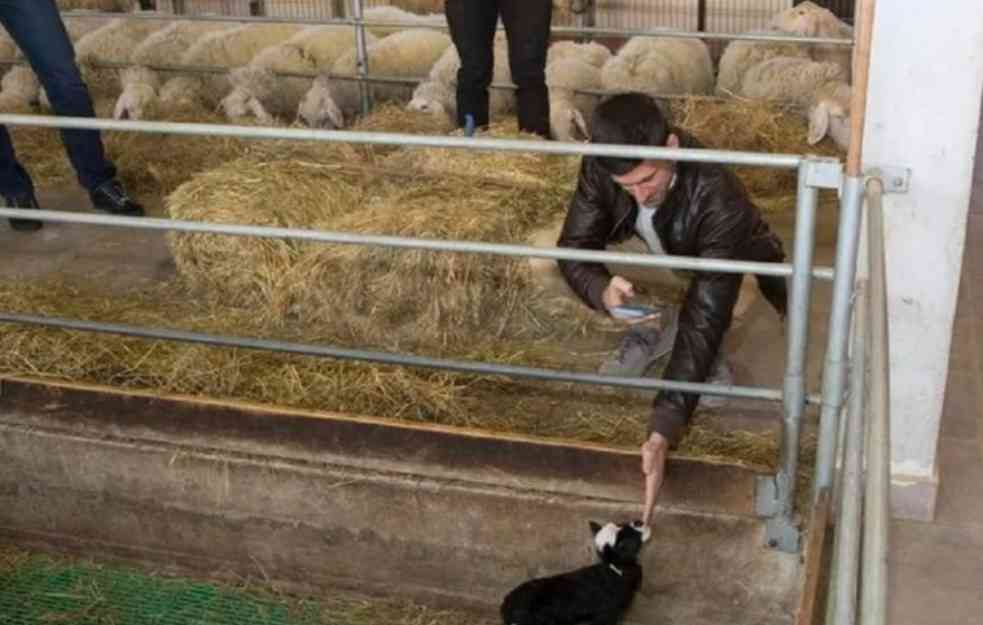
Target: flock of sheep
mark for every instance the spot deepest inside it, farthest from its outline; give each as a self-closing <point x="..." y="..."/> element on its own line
<point x="269" y="68"/>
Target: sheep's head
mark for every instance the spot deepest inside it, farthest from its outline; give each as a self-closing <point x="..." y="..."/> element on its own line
<point x="432" y="97"/>
<point x="830" y="117"/>
<point x="568" y="124"/>
<point x="805" y="19"/>
<point x="318" y="108"/>
<point x="135" y="102"/>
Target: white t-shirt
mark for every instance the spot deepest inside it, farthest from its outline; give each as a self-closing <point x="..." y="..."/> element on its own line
<point x="644" y="227"/>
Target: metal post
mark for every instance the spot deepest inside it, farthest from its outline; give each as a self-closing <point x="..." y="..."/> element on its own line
<point x="701" y="15"/>
<point x="783" y="531"/>
<point x="362" y="56"/>
<point x="834" y="367"/>
<point x="842" y="603"/>
<point x="873" y="601"/>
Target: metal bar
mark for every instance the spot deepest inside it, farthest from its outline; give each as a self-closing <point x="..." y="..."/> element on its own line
<point x="785" y="161"/>
<point x="476" y="247"/>
<point x="362" y="56"/>
<point x="807" y="199"/>
<point x="460" y="366"/>
<point x="834" y="366"/>
<point x="701" y="15"/>
<point x="846" y="557"/>
<point x="877" y="515"/>
<point x="556" y="30"/>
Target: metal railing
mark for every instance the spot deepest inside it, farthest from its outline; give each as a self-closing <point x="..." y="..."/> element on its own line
<point x="858" y="591"/>
<point x="776" y="494"/>
<point x="813" y="174"/>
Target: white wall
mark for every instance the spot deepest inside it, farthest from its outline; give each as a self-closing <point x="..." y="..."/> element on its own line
<point x="923" y="112"/>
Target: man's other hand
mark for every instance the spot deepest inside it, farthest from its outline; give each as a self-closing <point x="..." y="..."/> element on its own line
<point x="653" y="466"/>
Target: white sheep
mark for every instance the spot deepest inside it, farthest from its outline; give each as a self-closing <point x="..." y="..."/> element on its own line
<point x="741" y="55"/>
<point x="409" y="53"/>
<point x="593" y="53"/>
<point x="139" y="84"/>
<point x="230" y="48"/>
<point x="660" y="66"/>
<point x="820" y="87"/>
<point x="438" y="93"/>
<point x="19" y="90"/>
<point x="811" y="20"/>
<point x="392" y="14"/>
<point x="571" y="109"/>
<point x="112" y="42"/>
<point x="258" y="90"/>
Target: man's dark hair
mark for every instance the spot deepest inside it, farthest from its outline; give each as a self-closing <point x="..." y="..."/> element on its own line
<point x="630" y="119"/>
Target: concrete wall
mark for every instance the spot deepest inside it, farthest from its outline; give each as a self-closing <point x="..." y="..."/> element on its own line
<point x="923" y="112"/>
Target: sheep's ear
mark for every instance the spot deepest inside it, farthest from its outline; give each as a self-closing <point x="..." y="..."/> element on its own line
<point x="580" y="126"/>
<point x="334" y="113"/>
<point x="594" y="527"/>
<point x="818" y="123"/>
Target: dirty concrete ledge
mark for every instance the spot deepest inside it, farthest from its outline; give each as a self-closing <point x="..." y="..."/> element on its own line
<point x="324" y="501"/>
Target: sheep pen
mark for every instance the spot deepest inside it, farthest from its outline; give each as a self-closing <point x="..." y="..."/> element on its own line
<point x="365" y="297"/>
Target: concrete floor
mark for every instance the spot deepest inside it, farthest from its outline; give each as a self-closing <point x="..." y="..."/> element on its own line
<point x="936" y="569"/>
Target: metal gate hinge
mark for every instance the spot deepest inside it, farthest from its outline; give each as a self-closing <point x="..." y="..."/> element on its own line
<point x="894" y="179"/>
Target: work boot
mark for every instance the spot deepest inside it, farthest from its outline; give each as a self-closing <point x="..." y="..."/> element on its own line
<point x="111" y="198"/>
<point x="641" y="347"/>
<point x="723" y="374"/>
<point x="25" y="201"/>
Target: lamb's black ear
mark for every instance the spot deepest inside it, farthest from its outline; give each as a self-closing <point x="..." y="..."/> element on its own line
<point x="594" y="528"/>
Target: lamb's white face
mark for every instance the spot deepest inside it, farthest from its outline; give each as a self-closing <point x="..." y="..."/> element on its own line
<point x="318" y="109"/>
<point x="134" y="102"/>
<point x="234" y="105"/>
<point x="424" y="104"/>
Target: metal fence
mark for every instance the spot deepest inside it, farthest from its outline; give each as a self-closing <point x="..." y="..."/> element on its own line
<point x="776" y="494"/>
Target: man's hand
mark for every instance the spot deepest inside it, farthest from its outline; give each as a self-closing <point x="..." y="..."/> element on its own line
<point x="618" y="292"/>
<point x="653" y="466"/>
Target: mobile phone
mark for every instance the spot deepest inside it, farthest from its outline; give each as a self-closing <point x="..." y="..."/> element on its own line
<point x="633" y="311"/>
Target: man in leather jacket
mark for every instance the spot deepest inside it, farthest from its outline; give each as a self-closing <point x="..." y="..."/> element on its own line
<point x="686" y="209"/>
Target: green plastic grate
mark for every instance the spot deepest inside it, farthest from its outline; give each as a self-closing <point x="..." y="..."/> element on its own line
<point x="41" y="590"/>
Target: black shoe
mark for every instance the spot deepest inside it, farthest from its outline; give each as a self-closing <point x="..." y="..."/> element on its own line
<point x="27" y="201"/>
<point x="111" y="198"/>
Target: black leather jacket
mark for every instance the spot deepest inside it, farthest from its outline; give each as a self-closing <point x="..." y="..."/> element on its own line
<point x="707" y="214"/>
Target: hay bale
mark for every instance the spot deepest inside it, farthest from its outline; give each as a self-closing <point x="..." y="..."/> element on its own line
<point x="422" y="298"/>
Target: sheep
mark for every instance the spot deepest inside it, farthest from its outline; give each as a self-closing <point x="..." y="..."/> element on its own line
<point x="741" y="55"/>
<point x="112" y="42"/>
<point x="821" y="87"/>
<point x="660" y="67"/>
<point x="438" y="93"/>
<point x="811" y="20"/>
<point x="392" y="14"/>
<point x="592" y="53"/>
<point x="139" y="84"/>
<point x="19" y="90"/>
<point x="257" y="89"/>
<point x="408" y="53"/>
<point x="569" y="110"/>
<point x="229" y="48"/>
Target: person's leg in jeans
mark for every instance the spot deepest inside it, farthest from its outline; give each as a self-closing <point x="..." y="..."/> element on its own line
<point x="37" y="29"/>
<point x="527" y="24"/>
<point x="472" y="27"/>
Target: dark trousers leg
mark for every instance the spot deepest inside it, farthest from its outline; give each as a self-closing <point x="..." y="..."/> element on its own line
<point x="36" y="27"/>
<point x="472" y="26"/>
<point x="527" y="24"/>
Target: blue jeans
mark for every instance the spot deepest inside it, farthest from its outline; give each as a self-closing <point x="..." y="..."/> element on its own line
<point x="36" y="27"/>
